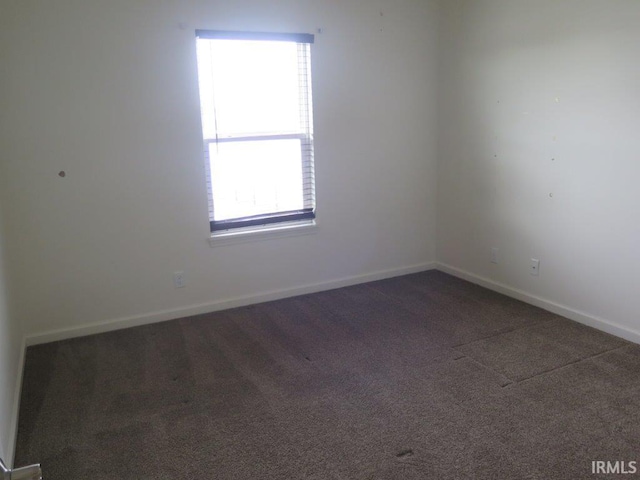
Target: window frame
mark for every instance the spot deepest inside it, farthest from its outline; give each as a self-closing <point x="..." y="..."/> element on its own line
<point x="295" y="218"/>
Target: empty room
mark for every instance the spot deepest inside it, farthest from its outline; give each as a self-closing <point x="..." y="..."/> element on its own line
<point x="322" y="240"/>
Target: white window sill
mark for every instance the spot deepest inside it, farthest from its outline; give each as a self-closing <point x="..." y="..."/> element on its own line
<point x="253" y="234"/>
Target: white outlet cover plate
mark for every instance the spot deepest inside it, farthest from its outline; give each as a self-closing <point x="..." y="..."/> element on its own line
<point x="535" y="267"/>
<point x="178" y="279"/>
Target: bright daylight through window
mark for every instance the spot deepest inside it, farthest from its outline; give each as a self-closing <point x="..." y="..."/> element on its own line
<point x="255" y="98"/>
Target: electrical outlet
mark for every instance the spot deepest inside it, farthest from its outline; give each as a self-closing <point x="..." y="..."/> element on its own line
<point x="178" y="280"/>
<point x="535" y="266"/>
<point x="494" y="255"/>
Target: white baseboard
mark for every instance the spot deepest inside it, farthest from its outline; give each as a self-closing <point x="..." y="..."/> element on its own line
<point x="160" y="316"/>
<point x="565" y="311"/>
<point x="116" y="324"/>
<point x="164" y="315"/>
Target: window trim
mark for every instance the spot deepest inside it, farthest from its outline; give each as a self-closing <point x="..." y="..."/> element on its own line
<point x="250" y="234"/>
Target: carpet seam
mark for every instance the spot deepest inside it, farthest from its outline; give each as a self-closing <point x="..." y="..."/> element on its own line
<point x="502" y="333"/>
<point x="574" y="362"/>
<point x="454" y="347"/>
<point x="487" y="367"/>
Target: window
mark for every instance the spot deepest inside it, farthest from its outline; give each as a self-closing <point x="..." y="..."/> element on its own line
<point x="255" y="99"/>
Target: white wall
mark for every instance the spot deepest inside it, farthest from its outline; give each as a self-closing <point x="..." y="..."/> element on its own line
<point x="107" y="92"/>
<point x="535" y="98"/>
<point x="10" y="356"/>
<point x="539" y="150"/>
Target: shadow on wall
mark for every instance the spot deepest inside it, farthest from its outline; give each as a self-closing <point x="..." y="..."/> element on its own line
<point x="540" y="102"/>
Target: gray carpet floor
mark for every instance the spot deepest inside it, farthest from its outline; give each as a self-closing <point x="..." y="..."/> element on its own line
<point x="423" y="376"/>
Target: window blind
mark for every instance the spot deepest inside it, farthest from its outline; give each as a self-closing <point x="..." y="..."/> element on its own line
<point x="256" y="103"/>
